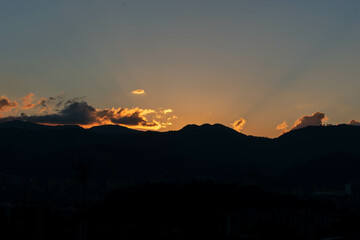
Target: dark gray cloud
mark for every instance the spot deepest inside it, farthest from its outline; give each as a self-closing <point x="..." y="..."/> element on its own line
<point x="315" y="119"/>
<point x="125" y="116"/>
<point x="6" y="104"/>
<point x="133" y="119"/>
<point x="76" y="111"/>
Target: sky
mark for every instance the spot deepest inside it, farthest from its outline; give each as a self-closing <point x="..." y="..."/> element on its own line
<point x="257" y="66"/>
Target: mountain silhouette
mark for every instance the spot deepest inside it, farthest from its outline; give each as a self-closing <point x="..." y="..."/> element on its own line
<point x="19" y="124"/>
<point x="207" y="151"/>
<point x="206" y="129"/>
<point x="23" y="125"/>
<point x="112" y="129"/>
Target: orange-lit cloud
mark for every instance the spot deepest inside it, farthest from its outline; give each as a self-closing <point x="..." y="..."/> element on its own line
<point x="60" y="111"/>
<point x="27" y="101"/>
<point x="282" y="126"/>
<point x="138" y="91"/>
<point x="167" y="111"/>
<point x="238" y="125"/>
<point x="135" y="117"/>
<point x="46" y="105"/>
<point x="316" y="119"/>
<point x="6" y="104"/>
<point x="354" y="123"/>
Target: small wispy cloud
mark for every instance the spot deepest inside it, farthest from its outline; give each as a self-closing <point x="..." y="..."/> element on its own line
<point x="28" y="101"/>
<point x="138" y="92"/>
<point x="167" y="111"/>
<point x="238" y="125"/>
<point x="282" y="126"/>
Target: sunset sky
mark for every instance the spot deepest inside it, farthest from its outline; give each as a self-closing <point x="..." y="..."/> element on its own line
<point x="248" y="64"/>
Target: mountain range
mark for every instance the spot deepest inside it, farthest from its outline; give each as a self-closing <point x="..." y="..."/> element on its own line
<point x="322" y="155"/>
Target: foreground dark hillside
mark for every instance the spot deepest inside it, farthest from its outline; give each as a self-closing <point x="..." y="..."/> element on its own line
<point x="195" y="210"/>
<point x="200" y="210"/>
<point x="198" y="182"/>
<point x="204" y="152"/>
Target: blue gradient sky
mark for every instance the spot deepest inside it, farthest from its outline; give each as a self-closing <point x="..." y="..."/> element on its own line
<point x="209" y="61"/>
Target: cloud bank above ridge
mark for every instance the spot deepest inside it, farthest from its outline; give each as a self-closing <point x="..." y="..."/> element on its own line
<point x="61" y="111"/>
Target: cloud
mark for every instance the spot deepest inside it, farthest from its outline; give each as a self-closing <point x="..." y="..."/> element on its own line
<point x="46" y="105"/>
<point x="316" y="119"/>
<point x="75" y="113"/>
<point x="238" y="125"/>
<point x="167" y="111"/>
<point x="60" y="111"/>
<point x="27" y="101"/>
<point x="6" y="104"/>
<point x="282" y="126"/>
<point x="354" y="123"/>
<point x="138" y="91"/>
<point x="128" y="117"/>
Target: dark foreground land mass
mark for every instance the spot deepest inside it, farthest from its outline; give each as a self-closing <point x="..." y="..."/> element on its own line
<point x="111" y="182"/>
